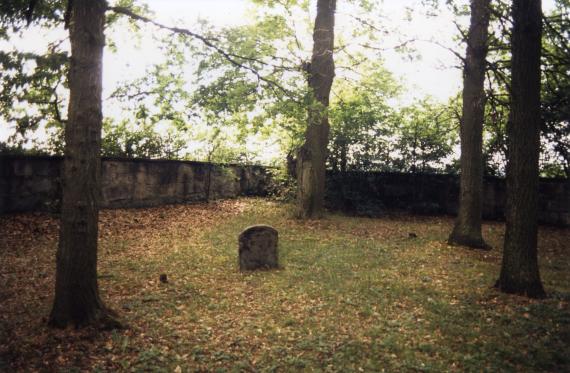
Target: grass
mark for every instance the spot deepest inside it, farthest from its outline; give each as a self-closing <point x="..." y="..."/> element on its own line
<point x="353" y="294"/>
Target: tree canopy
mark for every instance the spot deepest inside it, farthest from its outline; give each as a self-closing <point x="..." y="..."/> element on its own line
<point x="248" y="80"/>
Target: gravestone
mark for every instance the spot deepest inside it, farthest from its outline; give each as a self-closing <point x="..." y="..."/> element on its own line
<point x="258" y="248"/>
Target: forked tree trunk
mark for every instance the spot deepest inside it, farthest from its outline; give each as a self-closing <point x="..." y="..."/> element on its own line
<point x="467" y="229"/>
<point x="311" y="158"/>
<point x="519" y="271"/>
<point x="77" y="299"/>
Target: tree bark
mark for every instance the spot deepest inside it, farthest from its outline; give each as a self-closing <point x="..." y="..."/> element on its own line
<point x="311" y="158"/>
<point x="467" y="229"/>
<point x="519" y="271"/>
<point x="77" y="300"/>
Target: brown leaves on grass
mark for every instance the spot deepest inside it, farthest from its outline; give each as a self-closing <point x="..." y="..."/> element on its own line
<point x="353" y="291"/>
<point x="27" y="262"/>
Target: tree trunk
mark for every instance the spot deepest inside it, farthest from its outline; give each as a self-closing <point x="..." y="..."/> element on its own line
<point x="519" y="271"/>
<point x="467" y="229"/>
<point x="311" y="159"/>
<point x="77" y="299"/>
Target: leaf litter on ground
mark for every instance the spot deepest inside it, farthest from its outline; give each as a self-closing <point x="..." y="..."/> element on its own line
<point x="353" y="294"/>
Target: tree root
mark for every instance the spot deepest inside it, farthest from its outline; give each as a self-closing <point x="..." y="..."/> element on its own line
<point x="470" y="242"/>
<point x="103" y="319"/>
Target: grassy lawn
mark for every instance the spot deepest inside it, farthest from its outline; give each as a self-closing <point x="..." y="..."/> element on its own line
<point x="353" y="294"/>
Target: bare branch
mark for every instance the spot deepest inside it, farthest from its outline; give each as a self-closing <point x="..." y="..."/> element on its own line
<point x="449" y="49"/>
<point x="394" y="47"/>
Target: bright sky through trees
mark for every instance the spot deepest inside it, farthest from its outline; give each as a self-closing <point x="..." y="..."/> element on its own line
<point x="432" y="72"/>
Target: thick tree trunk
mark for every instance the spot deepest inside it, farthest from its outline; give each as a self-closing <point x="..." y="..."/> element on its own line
<point x="77" y="299"/>
<point x="311" y="159"/>
<point x="467" y="229"/>
<point x="519" y="271"/>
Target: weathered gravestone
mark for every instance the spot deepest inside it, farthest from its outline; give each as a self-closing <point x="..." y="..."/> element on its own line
<point x="258" y="248"/>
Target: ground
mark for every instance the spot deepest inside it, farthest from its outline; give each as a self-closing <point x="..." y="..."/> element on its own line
<point x="353" y="294"/>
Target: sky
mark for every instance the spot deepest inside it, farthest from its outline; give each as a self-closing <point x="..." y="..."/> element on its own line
<point x="434" y="74"/>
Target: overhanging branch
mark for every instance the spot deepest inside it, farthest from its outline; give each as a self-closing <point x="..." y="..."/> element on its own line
<point x="230" y="57"/>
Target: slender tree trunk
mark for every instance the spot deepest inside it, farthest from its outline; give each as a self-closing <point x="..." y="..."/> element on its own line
<point x="77" y="299"/>
<point x="467" y="229"/>
<point x="519" y="271"/>
<point x="311" y="159"/>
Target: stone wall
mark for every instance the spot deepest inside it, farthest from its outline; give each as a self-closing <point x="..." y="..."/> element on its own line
<point x="373" y="193"/>
<point x="34" y="184"/>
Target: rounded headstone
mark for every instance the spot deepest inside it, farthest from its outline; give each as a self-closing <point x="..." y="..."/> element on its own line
<point x="258" y="248"/>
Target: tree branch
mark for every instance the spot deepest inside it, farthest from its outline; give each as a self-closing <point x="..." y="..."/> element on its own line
<point x="230" y="57"/>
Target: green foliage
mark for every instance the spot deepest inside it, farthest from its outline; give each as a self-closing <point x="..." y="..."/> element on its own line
<point x="126" y="141"/>
<point x="427" y="135"/>
<point x="14" y="15"/>
<point x="253" y="85"/>
<point x="162" y="93"/>
<point x="494" y="132"/>
<point x="367" y="134"/>
<point x="284" y="186"/>
<point x="555" y="135"/>
<point x="33" y="86"/>
<point x="362" y="120"/>
<point x="556" y="89"/>
<point x="219" y="145"/>
<point x="32" y="89"/>
<point x="231" y="93"/>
